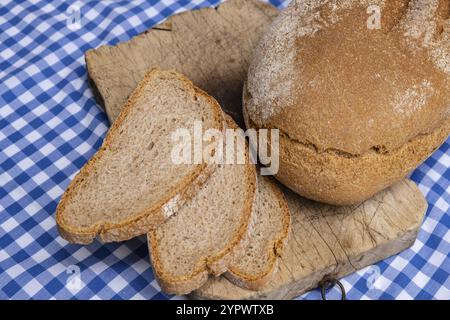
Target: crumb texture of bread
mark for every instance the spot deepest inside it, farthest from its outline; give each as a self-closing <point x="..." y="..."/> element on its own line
<point x="206" y="232"/>
<point x="266" y="242"/>
<point x="132" y="178"/>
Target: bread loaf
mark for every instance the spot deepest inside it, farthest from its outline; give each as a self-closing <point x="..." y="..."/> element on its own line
<point x="358" y="107"/>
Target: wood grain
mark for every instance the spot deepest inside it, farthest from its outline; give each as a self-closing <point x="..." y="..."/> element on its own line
<point x="213" y="48"/>
<point x="210" y="46"/>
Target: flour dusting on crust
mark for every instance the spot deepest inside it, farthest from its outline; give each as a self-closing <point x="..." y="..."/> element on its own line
<point x="413" y="99"/>
<point x="419" y="24"/>
<point x="420" y="27"/>
<point x="272" y="76"/>
<point x="440" y="51"/>
<point x="272" y="73"/>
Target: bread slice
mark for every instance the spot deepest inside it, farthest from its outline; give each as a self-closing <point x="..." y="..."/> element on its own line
<point x="131" y="185"/>
<point x="266" y="242"/>
<point x="207" y="232"/>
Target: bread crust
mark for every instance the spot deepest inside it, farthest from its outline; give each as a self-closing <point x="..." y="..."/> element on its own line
<point x="151" y="217"/>
<point x="219" y="263"/>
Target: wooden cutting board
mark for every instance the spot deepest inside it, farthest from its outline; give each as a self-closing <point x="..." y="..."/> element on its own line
<point x="213" y="47"/>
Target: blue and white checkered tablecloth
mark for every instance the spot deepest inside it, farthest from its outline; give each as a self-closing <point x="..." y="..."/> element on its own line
<point x="50" y="125"/>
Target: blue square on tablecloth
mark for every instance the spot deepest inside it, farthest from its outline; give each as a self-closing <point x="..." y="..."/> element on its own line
<point x="54" y="286"/>
<point x="11" y="288"/>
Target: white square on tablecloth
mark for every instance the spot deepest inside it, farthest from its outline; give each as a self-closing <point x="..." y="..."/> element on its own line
<point x="442" y="293"/>
<point x="47" y="223"/>
<point x="122" y="252"/>
<point x="19" y="124"/>
<point x="40" y="110"/>
<point x="81" y="254"/>
<point x="43" y="26"/>
<point x="25" y="41"/>
<point x="399" y="263"/>
<point x="56" y="36"/>
<point x="56" y="270"/>
<point x="55" y="192"/>
<point x="445" y="159"/>
<point x="420" y="279"/>
<point x="7" y="53"/>
<point x="403" y="295"/>
<point x="442" y="204"/>
<point x="437" y="259"/>
<point x="137" y="296"/>
<point x="3" y="255"/>
<point x="134" y="21"/>
<point x="4" y="179"/>
<point x="382" y="283"/>
<point x="25" y="240"/>
<point x="51" y="59"/>
<point x="83" y="148"/>
<point x="141" y="266"/>
<point x="118" y="283"/>
<point x="6" y="110"/>
<point x="433" y="175"/>
<point x="9" y="224"/>
<point x="41" y="255"/>
<point x="99" y="266"/>
<point x="48" y="7"/>
<point x="155" y="285"/>
<point x="32" y="208"/>
<point x="10" y="82"/>
<point x="47" y="149"/>
<point x="118" y="30"/>
<point x="15" y="270"/>
<point x="70" y="47"/>
<point x="33" y="136"/>
<point x="68" y="135"/>
<point x="40" y="177"/>
<point x="73" y="108"/>
<point x="62" y="162"/>
<point x="26" y="97"/>
<point x="429" y="224"/>
<point x="17" y="193"/>
<point x="32" y="287"/>
<point x="88" y="37"/>
<point x="46" y="84"/>
<point x="11" y="150"/>
<point x="31" y="70"/>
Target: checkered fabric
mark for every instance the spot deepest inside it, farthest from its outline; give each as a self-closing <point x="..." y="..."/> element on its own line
<point x="50" y="125"/>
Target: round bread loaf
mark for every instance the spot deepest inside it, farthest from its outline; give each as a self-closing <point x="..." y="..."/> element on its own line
<point x="358" y="105"/>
